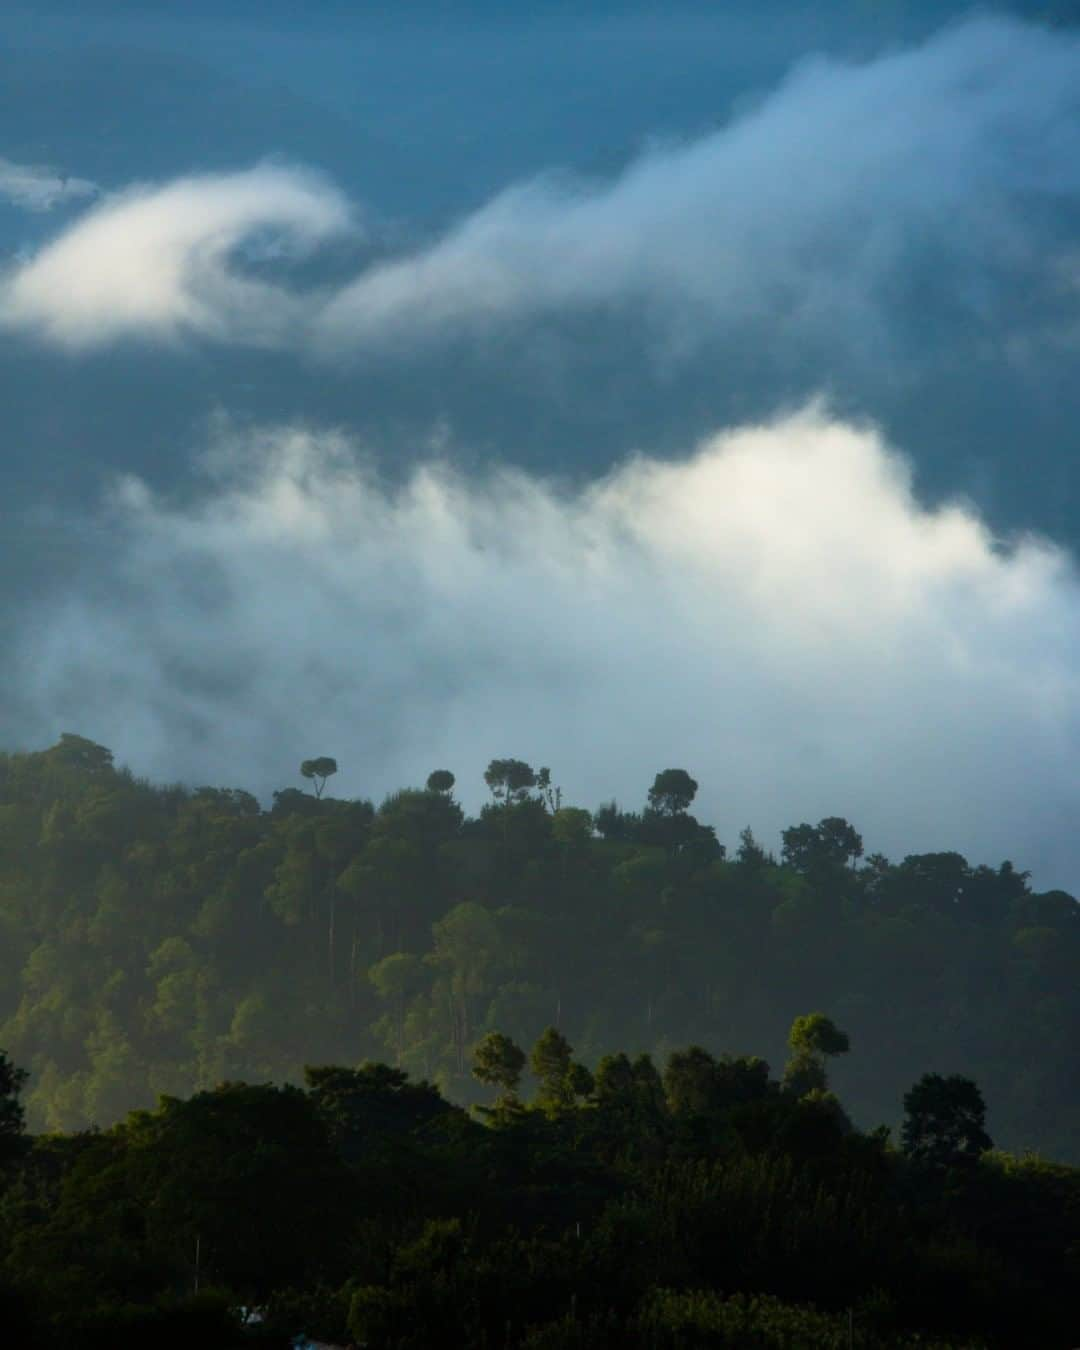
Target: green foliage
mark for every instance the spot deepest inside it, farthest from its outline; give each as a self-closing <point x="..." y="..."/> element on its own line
<point x="812" y="1040"/>
<point x="816" y="1034"/>
<point x="498" y="1062"/>
<point x="704" y="1317"/>
<point x="571" y="827"/>
<point x="318" y="770"/>
<point x="367" y="1208"/>
<point x="162" y="940"/>
<point x="12" y="1116"/>
<point x="550" y="1061"/>
<point x="509" y="780"/>
<point x="440" y="780"/>
<point x="945" y="1121"/>
<point x="672" y="792"/>
<point x="813" y="848"/>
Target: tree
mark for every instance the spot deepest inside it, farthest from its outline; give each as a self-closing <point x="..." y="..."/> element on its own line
<point x="611" y="823"/>
<point x="944" y="1121"/>
<point x="80" y="753"/>
<point x="11" y="1110"/>
<point x="690" y="1082"/>
<point x="672" y="792"/>
<point x="832" y="842"/>
<point x="551" y="796"/>
<point x="614" y="1084"/>
<point x="840" y="840"/>
<point x="816" y="1034"/>
<point x="750" y="853"/>
<point x="805" y="1075"/>
<point x="318" y="770"/>
<point x="812" y="1039"/>
<point x="579" y="1081"/>
<point x="499" y="1062"/>
<point x="571" y="828"/>
<point x="441" y="780"/>
<point x="741" y="1079"/>
<point x="395" y="977"/>
<point x="250" y="1173"/>
<point x="550" y="1061"/>
<point x="509" y="780"/>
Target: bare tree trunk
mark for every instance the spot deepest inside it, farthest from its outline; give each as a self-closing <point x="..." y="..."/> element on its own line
<point x="330" y="934"/>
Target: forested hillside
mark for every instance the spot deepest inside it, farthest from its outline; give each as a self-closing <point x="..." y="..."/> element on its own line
<point x="162" y="940"/>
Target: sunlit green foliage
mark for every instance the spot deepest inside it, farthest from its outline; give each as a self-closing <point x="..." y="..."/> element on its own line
<point x="164" y="939"/>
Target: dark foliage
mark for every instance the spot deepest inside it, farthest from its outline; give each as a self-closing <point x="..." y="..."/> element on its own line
<point x="702" y="1206"/>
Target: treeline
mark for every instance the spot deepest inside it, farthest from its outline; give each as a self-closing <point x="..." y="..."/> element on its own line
<point x="698" y="1203"/>
<point x="163" y="940"/>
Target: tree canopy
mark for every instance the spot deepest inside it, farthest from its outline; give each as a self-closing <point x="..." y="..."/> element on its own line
<point x="166" y="939"/>
<point x="318" y="770"/>
<point x="701" y="1206"/>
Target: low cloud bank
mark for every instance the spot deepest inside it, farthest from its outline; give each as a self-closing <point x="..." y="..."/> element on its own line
<point x="776" y="612"/>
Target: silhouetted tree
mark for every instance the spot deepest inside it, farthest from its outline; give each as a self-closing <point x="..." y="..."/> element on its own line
<point x="831" y="842"/>
<point x="672" y="792"/>
<point x="944" y="1121"/>
<point x="318" y="770"/>
<point x="509" y="780"/>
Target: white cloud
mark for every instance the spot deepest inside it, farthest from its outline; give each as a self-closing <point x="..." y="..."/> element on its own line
<point x="155" y="262"/>
<point x="859" y="213"/>
<point x="777" y="613"/>
<point x="819" y="215"/>
<point x="34" y="187"/>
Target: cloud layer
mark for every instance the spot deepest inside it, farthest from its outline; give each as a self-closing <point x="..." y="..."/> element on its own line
<point x="859" y="213"/>
<point x="776" y="612"/>
<point x="33" y="187"/>
<point x="159" y="262"/>
<point x="821" y="213"/>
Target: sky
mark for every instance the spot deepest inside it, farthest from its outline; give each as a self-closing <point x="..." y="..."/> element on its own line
<point x="615" y="387"/>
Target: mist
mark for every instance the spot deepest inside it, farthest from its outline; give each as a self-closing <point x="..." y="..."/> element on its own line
<point x="776" y="612"/>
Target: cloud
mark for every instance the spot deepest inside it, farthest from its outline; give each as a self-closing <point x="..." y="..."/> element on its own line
<point x="909" y="211"/>
<point x="776" y="612"/>
<point x="858" y="209"/>
<point x="158" y="262"/>
<point x="34" y="187"/>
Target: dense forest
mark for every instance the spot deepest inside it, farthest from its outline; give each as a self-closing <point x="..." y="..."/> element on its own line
<point x="162" y="940"/>
<point x="708" y="1205"/>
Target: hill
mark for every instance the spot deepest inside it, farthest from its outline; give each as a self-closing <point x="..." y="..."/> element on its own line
<point x="159" y="939"/>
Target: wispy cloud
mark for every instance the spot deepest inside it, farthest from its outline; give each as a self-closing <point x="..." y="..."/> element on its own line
<point x="861" y="213"/>
<point x="850" y="200"/>
<point x="777" y="612"/>
<point x="34" y="187"/>
<point x="155" y="262"/>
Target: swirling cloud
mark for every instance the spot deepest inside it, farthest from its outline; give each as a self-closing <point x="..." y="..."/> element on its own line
<point x="159" y="262"/>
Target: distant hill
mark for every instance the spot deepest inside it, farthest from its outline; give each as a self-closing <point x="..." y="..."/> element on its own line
<point x="159" y="939"/>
